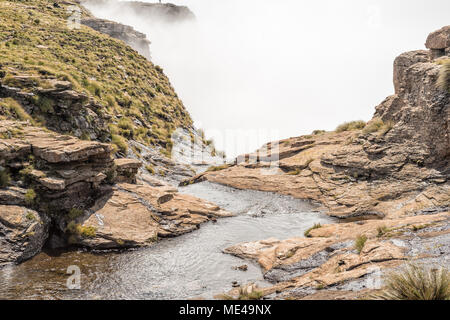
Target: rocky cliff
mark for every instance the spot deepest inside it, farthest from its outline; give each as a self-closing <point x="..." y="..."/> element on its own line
<point x="151" y="12"/>
<point x="137" y="40"/>
<point x="395" y="169"/>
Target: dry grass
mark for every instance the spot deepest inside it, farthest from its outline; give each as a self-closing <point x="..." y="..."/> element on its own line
<point x="307" y="233"/>
<point x="444" y="76"/>
<point x="360" y="242"/>
<point x="416" y="282"/>
<point x="352" y="125"/>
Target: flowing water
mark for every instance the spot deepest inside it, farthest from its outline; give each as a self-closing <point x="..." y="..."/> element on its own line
<point x="190" y="266"/>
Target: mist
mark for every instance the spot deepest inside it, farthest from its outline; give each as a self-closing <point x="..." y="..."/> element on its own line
<point x="253" y="71"/>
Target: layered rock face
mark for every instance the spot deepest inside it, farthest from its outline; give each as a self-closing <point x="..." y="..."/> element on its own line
<point x="72" y="192"/>
<point x="137" y="40"/>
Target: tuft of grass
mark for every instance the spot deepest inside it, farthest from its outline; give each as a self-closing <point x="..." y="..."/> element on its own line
<point x="381" y="231"/>
<point x="443" y="81"/>
<point x="14" y="109"/>
<point x="30" y="197"/>
<point x="352" y="125"/>
<point x="77" y="229"/>
<point x="307" y="233"/>
<point x="120" y="142"/>
<point x="150" y="169"/>
<point x="295" y="172"/>
<point x="360" y="242"/>
<point x="378" y="125"/>
<point x="5" y="178"/>
<point x="416" y="282"/>
<point x="249" y="292"/>
<point x="75" y="213"/>
<point x="318" y="132"/>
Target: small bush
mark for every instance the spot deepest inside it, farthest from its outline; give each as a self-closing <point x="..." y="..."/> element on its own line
<point x="30" y="197"/>
<point x="360" y="242"/>
<point x="125" y="124"/>
<point x="315" y="226"/>
<point x="120" y="143"/>
<point x="5" y="178"/>
<point x="150" y="169"/>
<point x="443" y="81"/>
<point x="353" y="125"/>
<point x="416" y="282"/>
<point x="45" y="104"/>
<point x="318" y="132"/>
<point x="381" y="231"/>
<point x="374" y="125"/>
<point x="75" y="213"/>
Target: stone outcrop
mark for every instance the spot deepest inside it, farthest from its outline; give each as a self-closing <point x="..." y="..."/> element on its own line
<point x="301" y="267"/>
<point x="22" y="233"/>
<point x="137" y="215"/>
<point x="439" y="42"/>
<point x="151" y="12"/>
<point x="137" y="40"/>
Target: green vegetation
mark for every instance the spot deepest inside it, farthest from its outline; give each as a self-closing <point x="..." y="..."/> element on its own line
<point x="150" y="169"/>
<point x="11" y="108"/>
<point x="120" y="142"/>
<point x="444" y="76"/>
<point x="125" y="85"/>
<point x="416" y="282"/>
<point x="5" y="178"/>
<point x="30" y="197"/>
<point x="30" y="216"/>
<point x="360" y="242"/>
<point x="307" y="233"/>
<point x="352" y="125"/>
<point x="381" y="231"/>
<point x="75" y="213"/>
<point x="378" y="125"/>
<point x="295" y="172"/>
<point x="77" y="229"/>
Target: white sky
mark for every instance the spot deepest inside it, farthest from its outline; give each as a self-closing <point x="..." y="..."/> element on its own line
<point x="284" y="68"/>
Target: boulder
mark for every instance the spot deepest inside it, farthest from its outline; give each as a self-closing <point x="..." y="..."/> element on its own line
<point x="22" y="233"/>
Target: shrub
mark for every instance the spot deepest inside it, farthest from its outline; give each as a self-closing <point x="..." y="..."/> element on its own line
<point x="360" y="242"/>
<point x="373" y="125"/>
<point x="444" y="77"/>
<point x="318" y="132"/>
<point x="315" y="226"/>
<point x="30" y="196"/>
<point x="75" y="213"/>
<point x="5" y="178"/>
<point x="45" y="104"/>
<point x="150" y="169"/>
<point x="125" y="123"/>
<point x="416" y="282"/>
<point x="13" y="106"/>
<point x="353" y="125"/>
<point x="77" y="229"/>
<point x="120" y="142"/>
<point x="381" y="231"/>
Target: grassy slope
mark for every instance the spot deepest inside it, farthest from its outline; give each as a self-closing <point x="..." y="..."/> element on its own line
<point x="35" y="40"/>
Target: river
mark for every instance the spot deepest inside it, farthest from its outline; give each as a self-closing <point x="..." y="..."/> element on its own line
<point x="189" y="266"/>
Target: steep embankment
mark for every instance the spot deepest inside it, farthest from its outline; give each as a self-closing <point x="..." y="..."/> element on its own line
<point x="395" y="168"/>
<point x="73" y="103"/>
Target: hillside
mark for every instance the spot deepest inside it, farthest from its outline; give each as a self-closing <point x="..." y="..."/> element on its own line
<point x="82" y="82"/>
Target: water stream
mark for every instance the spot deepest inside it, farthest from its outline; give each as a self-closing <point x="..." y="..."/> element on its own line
<point x="189" y="266"/>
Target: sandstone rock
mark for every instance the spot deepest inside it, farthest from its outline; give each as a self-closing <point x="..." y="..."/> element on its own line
<point x="22" y="233"/>
<point x="127" y="169"/>
<point x="439" y="39"/>
<point x="134" y="216"/>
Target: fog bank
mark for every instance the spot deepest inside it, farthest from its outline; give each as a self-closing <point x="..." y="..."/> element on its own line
<point x="276" y="69"/>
